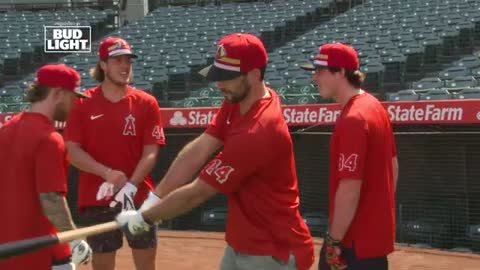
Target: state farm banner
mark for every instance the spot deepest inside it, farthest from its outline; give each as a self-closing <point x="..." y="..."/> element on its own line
<point x="417" y="112"/>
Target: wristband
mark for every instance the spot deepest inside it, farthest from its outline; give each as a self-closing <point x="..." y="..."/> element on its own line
<point x="151" y="200"/>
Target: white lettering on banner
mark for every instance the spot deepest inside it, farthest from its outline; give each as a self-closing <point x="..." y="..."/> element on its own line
<point x="429" y="113"/>
<point x="221" y="172"/>
<point x="200" y="118"/>
<point x="350" y="163"/>
<point x="178" y="119"/>
<point x="305" y="116"/>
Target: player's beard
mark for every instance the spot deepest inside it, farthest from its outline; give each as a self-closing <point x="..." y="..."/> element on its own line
<point x="60" y="113"/>
<point x="241" y="94"/>
<point x="118" y="82"/>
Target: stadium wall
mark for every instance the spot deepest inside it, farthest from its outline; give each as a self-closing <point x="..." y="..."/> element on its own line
<point x="438" y="188"/>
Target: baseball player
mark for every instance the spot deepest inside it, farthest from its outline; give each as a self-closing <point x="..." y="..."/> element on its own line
<point x="255" y="169"/>
<point x="363" y="167"/>
<point x="33" y="178"/>
<point x="113" y="139"/>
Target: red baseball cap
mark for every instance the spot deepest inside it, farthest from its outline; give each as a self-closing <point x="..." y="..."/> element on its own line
<point x="237" y="54"/>
<point x="334" y="55"/>
<point x="114" y="46"/>
<point x="60" y="76"/>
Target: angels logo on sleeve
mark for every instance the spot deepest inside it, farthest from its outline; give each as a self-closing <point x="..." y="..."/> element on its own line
<point x="349" y="163"/>
<point x="220" y="170"/>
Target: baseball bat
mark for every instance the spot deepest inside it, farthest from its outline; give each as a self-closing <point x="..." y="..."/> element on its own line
<point x="23" y="246"/>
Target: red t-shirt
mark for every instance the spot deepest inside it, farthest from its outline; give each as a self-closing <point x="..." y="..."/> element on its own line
<point x="362" y="147"/>
<point x="114" y="134"/>
<point x="256" y="170"/>
<point x="33" y="159"/>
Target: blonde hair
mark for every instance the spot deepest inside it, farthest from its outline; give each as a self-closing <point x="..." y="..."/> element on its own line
<point x="97" y="73"/>
<point x="36" y="93"/>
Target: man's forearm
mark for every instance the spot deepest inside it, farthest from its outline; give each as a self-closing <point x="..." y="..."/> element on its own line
<point x="346" y="203"/>
<point x="144" y="167"/>
<point x="83" y="161"/>
<point x="395" y="172"/>
<point x="56" y="209"/>
<point x="183" y="169"/>
<point x="175" y="204"/>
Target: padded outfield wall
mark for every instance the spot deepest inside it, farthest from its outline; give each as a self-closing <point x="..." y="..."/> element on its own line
<point x="438" y="193"/>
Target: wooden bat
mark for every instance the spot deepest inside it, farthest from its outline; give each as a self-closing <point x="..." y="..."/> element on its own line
<point x="23" y="246"/>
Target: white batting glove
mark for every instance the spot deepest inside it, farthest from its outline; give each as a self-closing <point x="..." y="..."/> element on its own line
<point x="105" y="191"/>
<point x="134" y="220"/>
<point x="151" y="200"/>
<point x="125" y="197"/>
<point x="81" y="252"/>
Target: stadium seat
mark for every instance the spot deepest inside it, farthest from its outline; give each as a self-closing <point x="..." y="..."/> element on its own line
<point x="299" y="82"/>
<point x="476" y="73"/>
<point x="436" y="94"/>
<point x="467" y="93"/>
<point x="450" y="37"/>
<point x="305" y="90"/>
<point x="203" y="93"/>
<point x="415" y="57"/>
<point x="283" y="90"/>
<point x="374" y="75"/>
<point x="403" y="95"/>
<point x="469" y="62"/>
<point x="275" y="82"/>
<point x="3" y="108"/>
<point x="394" y="67"/>
<point x="186" y="103"/>
<point x="428" y="83"/>
<point x="462" y="82"/>
<point x="433" y="45"/>
<point x="211" y="102"/>
<point x="302" y="99"/>
<point x="452" y="72"/>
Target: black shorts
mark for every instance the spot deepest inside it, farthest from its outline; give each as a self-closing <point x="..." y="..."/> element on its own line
<point x="353" y="263"/>
<point x="113" y="240"/>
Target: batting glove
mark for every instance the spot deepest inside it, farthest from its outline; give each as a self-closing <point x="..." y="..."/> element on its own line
<point x="81" y="252"/>
<point x="332" y="253"/>
<point x="151" y="200"/>
<point x="105" y="191"/>
<point x="134" y="221"/>
<point x="125" y="197"/>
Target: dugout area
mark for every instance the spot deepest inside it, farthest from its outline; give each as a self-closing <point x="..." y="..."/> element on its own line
<point x="438" y="193"/>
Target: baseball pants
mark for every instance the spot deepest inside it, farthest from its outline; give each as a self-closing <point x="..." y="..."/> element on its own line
<point x="67" y="266"/>
<point x="233" y="260"/>
<point x="353" y="263"/>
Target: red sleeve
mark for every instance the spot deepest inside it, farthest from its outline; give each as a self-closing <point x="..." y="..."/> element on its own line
<point x="351" y="147"/>
<point x="50" y="165"/>
<point x="217" y="126"/>
<point x="74" y="130"/>
<point x="153" y="133"/>
<point x="229" y="169"/>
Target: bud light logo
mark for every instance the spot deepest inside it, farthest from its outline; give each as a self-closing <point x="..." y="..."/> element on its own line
<point x="68" y="39"/>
